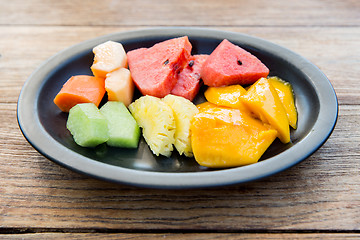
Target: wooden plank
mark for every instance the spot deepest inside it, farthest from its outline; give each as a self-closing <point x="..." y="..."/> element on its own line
<point x="322" y="46"/>
<point x="181" y="13"/>
<point x="321" y="193"/>
<point x="199" y="236"/>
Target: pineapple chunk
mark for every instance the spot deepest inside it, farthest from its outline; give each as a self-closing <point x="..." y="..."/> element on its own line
<point x="157" y="120"/>
<point x="109" y="56"/>
<point x="183" y="110"/>
<point x="119" y="86"/>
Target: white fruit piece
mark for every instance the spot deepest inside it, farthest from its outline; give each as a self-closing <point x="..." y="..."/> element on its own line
<point x="119" y="86"/>
<point x="157" y="120"/>
<point x="109" y="56"/>
<point x="183" y="110"/>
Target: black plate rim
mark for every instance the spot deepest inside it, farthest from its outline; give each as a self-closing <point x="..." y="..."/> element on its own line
<point x="37" y="136"/>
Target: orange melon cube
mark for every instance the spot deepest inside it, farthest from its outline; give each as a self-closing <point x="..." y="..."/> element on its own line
<point x="80" y="89"/>
<point x="120" y="86"/>
<point x="109" y="56"/>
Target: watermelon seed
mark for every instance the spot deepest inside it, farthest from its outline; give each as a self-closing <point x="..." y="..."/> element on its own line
<point x="239" y="62"/>
<point x="191" y="63"/>
<point x="166" y="62"/>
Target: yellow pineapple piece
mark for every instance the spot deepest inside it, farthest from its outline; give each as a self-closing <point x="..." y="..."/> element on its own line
<point x="183" y="110"/>
<point x="157" y="121"/>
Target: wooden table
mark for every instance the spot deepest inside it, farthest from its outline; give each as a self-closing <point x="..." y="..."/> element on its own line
<point x="318" y="198"/>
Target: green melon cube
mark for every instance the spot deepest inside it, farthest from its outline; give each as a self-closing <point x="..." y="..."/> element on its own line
<point x="123" y="129"/>
<point x="87" y="125"/>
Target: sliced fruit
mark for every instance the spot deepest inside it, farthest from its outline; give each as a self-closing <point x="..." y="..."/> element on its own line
<point x="205" y="105"/>
<point x="157" y="120"/>
<point x="229" y="64"/>
<point x="155" y="69"/>
<point x="123" y="129"/>
<point x="188" y="82"/>
<point x="228" y="96"/>
<point x="87" y="125"/>
<point x="80" y="89"/>
<point x="183" y="110"/>
<point x="263" y="100"/>
<point x="227" y="137"/>
<point x="119" y="86"/>
<point x="286" y="95"/>
<point x="109" y="56"/>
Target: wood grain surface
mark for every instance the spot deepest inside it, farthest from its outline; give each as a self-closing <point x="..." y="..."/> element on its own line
<point x="317" y="199"/>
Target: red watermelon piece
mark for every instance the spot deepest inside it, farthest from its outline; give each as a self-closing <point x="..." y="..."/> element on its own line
<point x="188" y="83"/>
<point x="155" y="69"/>
<point x="229" y="64"/>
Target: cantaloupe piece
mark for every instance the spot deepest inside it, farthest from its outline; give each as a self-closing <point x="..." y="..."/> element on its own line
<point x="87" y="125"/>
<point x="123" y="129"/>
<point x="80" y="89"/>
<point x="119" y="86"/>
<point x="109" y="56"/>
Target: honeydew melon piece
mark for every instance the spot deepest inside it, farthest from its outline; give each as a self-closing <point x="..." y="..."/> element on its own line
<point x="87" y="125"/>
<point x="123" y="129"/>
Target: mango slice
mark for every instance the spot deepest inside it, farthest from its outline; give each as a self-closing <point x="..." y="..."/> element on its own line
<point x="263" y="100"/>
<point x="286" y="95"/>
<point x="205" y="105"/>
<point x="226" y="137"/>
<point x="228" y="96"/>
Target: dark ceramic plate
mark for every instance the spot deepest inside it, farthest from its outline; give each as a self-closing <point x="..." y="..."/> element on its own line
<point x="43" y="124"/>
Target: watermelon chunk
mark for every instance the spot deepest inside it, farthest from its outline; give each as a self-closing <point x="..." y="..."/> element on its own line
<point x="229" y="64"/>
<point x="188" y="83"/>
<point x="155" y="69"/>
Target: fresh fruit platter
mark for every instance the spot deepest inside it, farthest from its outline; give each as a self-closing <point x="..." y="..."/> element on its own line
<point x="172" y="110"/>
<point x="234" y="127"/>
